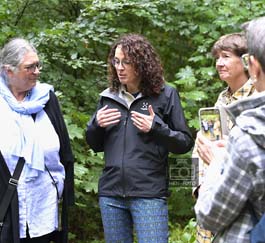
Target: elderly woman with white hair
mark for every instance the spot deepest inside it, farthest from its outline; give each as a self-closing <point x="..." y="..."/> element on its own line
<point x="230" y="204"/>
<point x="35" y="141"/>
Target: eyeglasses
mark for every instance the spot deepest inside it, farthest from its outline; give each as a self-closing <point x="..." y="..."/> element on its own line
<point x="125" y="63"/>
<point x="32" y="68"/>
<point x="245" y="60"/>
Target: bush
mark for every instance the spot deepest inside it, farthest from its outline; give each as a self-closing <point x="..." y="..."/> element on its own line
<point x="178" y="234"/>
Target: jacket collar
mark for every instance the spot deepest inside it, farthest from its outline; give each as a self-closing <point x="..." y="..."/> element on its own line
<point x="251" y="102"/>
<point x="114" y="96"/>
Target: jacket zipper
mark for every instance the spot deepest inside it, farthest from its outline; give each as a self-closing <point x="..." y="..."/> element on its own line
<point x="124" y="146"/>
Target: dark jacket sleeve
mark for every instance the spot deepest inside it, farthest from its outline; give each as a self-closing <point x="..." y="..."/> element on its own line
<point x="94" y="133"/>
<point x="10" y="230"/>
<point x="53" y="110"/>
<point x="172" y="129"/>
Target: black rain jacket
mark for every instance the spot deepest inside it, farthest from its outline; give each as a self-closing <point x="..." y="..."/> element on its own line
<point x="136" y="162"/>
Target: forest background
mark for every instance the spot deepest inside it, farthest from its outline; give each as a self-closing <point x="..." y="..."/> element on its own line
<point x="73" y="39"/>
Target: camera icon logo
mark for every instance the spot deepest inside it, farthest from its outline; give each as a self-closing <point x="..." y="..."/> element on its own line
<point x="183" y="172"/>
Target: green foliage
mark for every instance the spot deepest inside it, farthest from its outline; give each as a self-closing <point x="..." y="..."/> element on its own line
<point x="73" y="39"/>
<point x="180" y="205"/>
<point x="85" y="220"/>
<point x="183" y="235"/>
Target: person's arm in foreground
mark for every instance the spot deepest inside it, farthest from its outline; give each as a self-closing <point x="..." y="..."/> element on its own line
<point x="210" y="150"/>
<point x="221" y="202"/>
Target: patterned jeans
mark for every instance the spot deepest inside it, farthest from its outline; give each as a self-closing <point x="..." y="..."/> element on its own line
<point x="148" y="216"/>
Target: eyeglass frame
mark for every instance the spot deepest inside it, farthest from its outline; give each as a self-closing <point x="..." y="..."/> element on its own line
<point x="245" y="60"/>
<point x="32" y="67"/>
<point x="124" y="63"/>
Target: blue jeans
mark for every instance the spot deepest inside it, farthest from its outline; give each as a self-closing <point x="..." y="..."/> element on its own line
<point x="148" y="217"/>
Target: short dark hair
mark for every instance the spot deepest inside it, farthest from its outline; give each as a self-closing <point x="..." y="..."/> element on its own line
<point x="235" y="42"/>
<point x="145" y="60"/>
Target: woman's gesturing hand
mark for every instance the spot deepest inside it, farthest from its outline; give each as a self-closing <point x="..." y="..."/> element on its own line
<point x="143" y="122"/>
<point x="106" y="117"/>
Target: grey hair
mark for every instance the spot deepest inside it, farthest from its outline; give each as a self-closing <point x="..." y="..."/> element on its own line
<point x="255" y="32"/>
<point x="13" y="52"/>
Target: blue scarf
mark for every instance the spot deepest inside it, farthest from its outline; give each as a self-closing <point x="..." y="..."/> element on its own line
<point x="18" y="119"/>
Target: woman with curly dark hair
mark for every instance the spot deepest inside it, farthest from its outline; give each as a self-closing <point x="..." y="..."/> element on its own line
<point x="145" y="61"/>
<point x="139" y="120"/>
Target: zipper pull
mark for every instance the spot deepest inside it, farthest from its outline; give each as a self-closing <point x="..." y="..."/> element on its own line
<point x="125" y="121"/>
